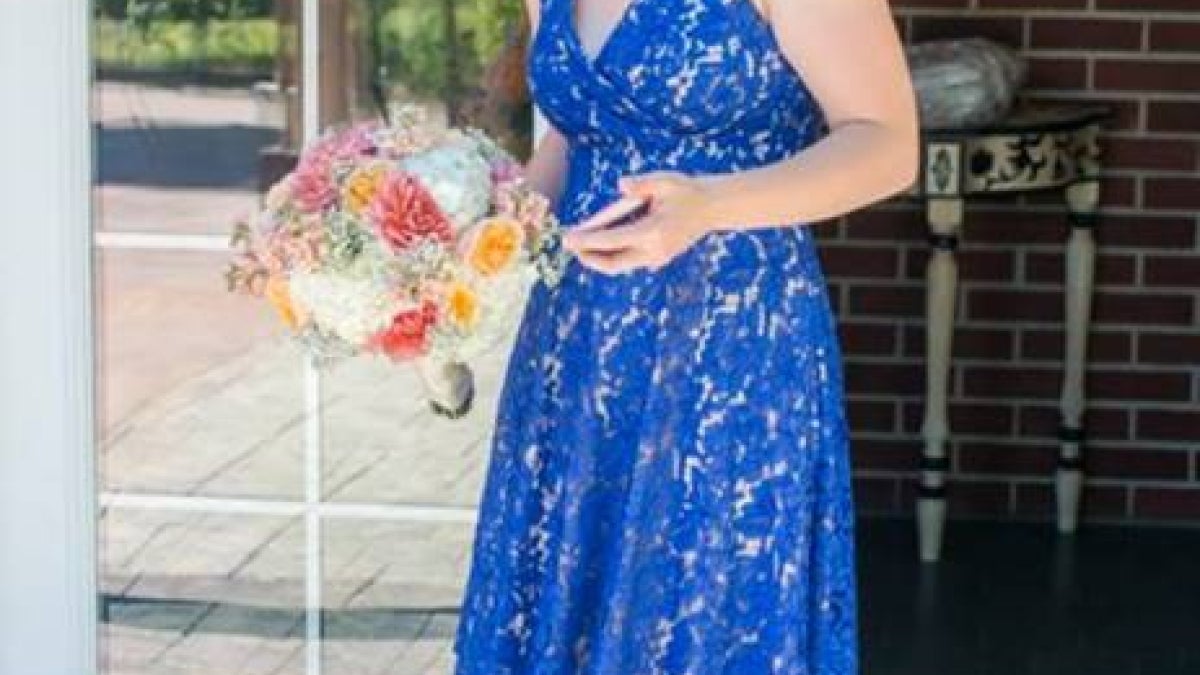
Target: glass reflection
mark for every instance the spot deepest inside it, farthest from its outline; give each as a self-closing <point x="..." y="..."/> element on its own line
<point x="197" y="111"/>
<point x="390" y="596"/>
<point x="199" y="390"/>
<point x="200" y="593"/>
<point x="381" y="444"/>
<point x="192" y="102"/>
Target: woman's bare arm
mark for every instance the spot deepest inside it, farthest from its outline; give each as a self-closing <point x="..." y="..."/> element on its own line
<point x="852" y="60"/>
<point x="548" y="163"/>
<point x="547" y="166"/>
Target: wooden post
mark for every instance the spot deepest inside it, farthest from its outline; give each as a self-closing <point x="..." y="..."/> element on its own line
<point x="342" y="95"/>
<point x="945" y="217"/>
<point x="287" y="73"/>
<point x="342" y="79"/>
<point x="942" y="182"/>
<point x="450" y="26"/>
<point x="1083" y="201"/>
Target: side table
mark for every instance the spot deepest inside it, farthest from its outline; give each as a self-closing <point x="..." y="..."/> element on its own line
<point x="1032" y="149"/>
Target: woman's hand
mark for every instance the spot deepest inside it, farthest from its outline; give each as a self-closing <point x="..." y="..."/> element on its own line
<point x="677" y="215"/>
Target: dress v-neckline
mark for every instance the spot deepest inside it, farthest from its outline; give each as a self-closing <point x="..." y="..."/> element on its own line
<point x="593" y="62"/>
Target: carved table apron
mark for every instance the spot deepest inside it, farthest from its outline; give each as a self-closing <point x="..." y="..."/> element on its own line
<point x="1031" y="150"/>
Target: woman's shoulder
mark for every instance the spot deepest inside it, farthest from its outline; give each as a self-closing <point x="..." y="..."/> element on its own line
<point x="532" y="12"/>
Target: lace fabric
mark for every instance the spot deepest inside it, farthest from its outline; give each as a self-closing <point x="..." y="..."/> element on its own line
<point x="668" y="491"/>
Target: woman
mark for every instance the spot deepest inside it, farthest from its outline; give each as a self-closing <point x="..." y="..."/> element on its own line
<point x="669" y="486"/>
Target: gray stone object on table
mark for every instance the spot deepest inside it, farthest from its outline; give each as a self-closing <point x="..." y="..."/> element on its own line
<point x="964" y="83"/>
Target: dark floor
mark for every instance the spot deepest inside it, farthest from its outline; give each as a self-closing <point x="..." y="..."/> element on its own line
<point x="1015" y="599"/>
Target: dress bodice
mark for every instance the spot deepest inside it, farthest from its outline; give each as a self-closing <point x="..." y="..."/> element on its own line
<point x="688" y="85"/>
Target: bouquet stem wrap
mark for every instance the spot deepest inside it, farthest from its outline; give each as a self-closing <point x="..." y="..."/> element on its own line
<point x="449" y="386"/>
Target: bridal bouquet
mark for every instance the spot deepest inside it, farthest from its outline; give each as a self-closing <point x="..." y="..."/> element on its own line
<point x="403" y="240"/>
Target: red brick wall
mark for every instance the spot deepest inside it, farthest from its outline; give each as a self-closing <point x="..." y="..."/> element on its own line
<point x="1143" y="58"/>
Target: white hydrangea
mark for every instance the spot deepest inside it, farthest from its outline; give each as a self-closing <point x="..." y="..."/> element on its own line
<point x="458" y="176"/>
<point x="507" y="292"/>
<point x="502" y="299"/>
<point x="352" y="308"/>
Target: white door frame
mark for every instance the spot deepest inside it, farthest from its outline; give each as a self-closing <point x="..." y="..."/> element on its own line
<point x="47" y="458"/>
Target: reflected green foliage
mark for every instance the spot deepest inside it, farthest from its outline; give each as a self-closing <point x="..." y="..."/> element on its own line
<point x="408" y="37"/>
<point x="410" y="56"/>
<point x="244" y="45"/>
<point x="406" y="51"/>
<point x="177" y="10"/>
<point x="412" y="45"/>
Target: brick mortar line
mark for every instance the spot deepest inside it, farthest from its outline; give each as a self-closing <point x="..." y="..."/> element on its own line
<point x="1096" y="54"/>
<point x="973" y="400"/>
<point x="1028" y="480"/>
<point x="1176" y="255"/>
<point x="905" y="282"/>
<point x="1017" y="246"/>
<point x="1057" y="287"/>
<point x="1098" y="327"/>
<point x="1148" y="135"/>
<point x="1007" y="207"/>
<point x="1133" y="95"/>
<point x="1031" y="13"/>
<point x="982" y="478"/>
<point x="1033" y="480"/>
<point x="908" y="246"/>
<point x="996" y="324"/>
<point x="1007" y="285"/>
<point x="960" y="363"/>
<point x="1136" y="484"/>
<point x="1133" y="290"/>
<point x="1138" y="367"/>
<point x="1126" y="521"/>
<point x="1122" y="172"/>
<point x="1027" y="440"/>
<point x="1173" y="446"/>
<point x="1140" y="94"/>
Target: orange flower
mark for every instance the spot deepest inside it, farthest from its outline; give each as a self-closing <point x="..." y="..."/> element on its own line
<point x="463" y="305"/>
<point x="276" y="292"/>
<point x="362" y="186"/>
<point x="495" y="245"/>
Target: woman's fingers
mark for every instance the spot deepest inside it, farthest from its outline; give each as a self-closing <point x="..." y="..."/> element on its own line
<point x="610" y="214"/>
<point x="608" y="239"/>
<point x="614" y="262"/>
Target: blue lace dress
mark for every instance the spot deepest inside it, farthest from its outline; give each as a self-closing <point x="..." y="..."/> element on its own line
<point x="669" y="491"/>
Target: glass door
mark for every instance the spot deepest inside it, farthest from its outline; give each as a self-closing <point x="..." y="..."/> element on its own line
<point x="257" y="515"/>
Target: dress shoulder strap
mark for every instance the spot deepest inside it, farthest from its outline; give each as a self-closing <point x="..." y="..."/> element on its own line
<point x="547" y="7"/>
<point x="763" y="7"/>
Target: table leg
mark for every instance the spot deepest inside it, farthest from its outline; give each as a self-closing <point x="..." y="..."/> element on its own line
<point x="945" y="216"/>
<point x="1083" y="200"/>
